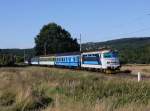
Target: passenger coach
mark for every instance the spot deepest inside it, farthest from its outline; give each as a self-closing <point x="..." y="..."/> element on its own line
<point x="47" y="60"/>
<point x="70" y="60"/>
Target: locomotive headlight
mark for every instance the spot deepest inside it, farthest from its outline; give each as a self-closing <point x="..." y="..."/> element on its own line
<point x="108" y="62"/>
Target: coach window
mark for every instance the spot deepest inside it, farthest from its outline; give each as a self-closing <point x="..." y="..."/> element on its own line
<point x="84" y="55"/>
<point x="65" y="59"/>
<point x="74" y="59"/>
<point x="78" y="58"/>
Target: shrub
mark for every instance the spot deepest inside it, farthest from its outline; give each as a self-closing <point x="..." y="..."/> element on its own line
<point x="6" y="59"/>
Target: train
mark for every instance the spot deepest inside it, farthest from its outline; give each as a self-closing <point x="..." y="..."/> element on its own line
<point x="102" y="60"/>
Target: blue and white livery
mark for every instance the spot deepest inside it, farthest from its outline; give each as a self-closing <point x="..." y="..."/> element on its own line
<point x="101" y="60"/>
<point x="70" y="60"/>
<point x="105" y="59"/>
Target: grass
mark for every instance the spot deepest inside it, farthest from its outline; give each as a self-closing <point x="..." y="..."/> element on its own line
<point x="144" y="69"/>
<point x="51" y="89"/>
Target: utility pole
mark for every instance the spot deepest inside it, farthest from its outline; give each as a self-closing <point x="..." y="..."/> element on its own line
<point x="45" y="49"/>
<point x="24" y="55"/>
<point x="80" y="43"/>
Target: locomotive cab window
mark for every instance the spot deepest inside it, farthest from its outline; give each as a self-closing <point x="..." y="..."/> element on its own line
<point x="110" y="55"/>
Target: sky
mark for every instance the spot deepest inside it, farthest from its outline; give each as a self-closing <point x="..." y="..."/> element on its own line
<point x="95" y="20"/>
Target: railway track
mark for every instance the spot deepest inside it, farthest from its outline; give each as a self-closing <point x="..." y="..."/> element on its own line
<point x="122" y="74"/>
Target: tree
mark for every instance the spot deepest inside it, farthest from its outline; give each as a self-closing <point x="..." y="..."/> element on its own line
<point x="7" y="60"/>
<point x="54" y="39"/>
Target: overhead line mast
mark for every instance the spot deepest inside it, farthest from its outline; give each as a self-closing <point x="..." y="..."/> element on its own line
<point x="80" y="44"/>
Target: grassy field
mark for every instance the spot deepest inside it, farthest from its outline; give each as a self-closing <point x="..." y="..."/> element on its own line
<point x="143" y="69"/>
<point x="52" y="89"/>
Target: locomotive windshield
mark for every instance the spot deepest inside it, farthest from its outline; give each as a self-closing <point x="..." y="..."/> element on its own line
<point x="110" y="55"/>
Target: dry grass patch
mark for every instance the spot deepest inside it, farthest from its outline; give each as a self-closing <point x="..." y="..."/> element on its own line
<point x="53" y="89"/>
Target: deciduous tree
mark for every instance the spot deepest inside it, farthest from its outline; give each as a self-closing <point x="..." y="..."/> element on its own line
<point x="54" y="39"/>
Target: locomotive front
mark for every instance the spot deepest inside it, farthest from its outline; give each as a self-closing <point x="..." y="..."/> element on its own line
<point x="110" y="60"/>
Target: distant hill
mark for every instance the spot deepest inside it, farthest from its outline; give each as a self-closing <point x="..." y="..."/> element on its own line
<point x="17" y="53"/>
<point x="131" y="50"/>
<point x="122" y="43"/>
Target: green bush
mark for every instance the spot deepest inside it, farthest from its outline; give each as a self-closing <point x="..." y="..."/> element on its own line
<point x="6" y="59"/>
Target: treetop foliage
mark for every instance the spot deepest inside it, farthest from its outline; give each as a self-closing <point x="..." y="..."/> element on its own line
<point x="54" y="39"/>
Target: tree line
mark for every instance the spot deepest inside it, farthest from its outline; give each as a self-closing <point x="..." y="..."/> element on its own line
<point x="7" y="60"/>
<point x="52" y="38"/>
<point x="130" y="50"/>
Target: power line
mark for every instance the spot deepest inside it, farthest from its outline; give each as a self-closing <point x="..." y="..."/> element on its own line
<point x="133" y="21"/>
<point x="137" y="31"/>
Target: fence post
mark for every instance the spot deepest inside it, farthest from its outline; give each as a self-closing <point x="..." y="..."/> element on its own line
<point x="139" y="76"/>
